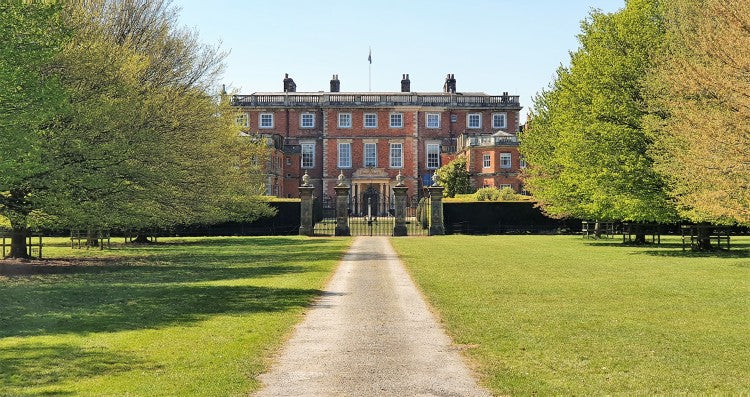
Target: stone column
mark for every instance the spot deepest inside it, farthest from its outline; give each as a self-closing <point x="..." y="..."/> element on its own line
<point x="436" y="208"/>
<point x="306" y="227"/>
<point x="342" y="207"/>
<point x="399" y="194"/>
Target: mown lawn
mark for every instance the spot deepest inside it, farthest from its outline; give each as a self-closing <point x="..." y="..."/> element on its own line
<point x="184" y="317"/>
<point x="558" y="315"/>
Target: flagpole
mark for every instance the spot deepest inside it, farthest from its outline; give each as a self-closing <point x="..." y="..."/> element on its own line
<point x="369" y="69"/>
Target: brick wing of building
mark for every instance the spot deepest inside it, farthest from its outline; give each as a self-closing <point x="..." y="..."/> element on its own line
<point x="372" y="136"/>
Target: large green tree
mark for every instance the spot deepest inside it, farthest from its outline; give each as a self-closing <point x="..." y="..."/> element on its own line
<point x="586" y="142"/>
<point x="31" y="96"/>
<point x="140" y="140"/>
<point x="700" y="93"/>
<point x="147" y="143"/>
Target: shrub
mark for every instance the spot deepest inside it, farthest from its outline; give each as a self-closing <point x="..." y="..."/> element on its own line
<point x="495" y="194"/>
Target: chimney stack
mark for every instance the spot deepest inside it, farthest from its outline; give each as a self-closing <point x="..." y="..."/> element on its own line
<point x="289" y="85"/>
<point x="405" y="83"/>
<point x="335" y="83"/>
<point x="450" y="84"/>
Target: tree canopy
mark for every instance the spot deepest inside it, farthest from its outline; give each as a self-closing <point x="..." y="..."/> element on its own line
<point x="700" y="96"/>
<point x="122" y="128"/>
<point x="455" y="178"/>
<point x="586" y="143"/>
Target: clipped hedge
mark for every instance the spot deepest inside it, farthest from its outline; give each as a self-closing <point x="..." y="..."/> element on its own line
<point x="498" y="217"/>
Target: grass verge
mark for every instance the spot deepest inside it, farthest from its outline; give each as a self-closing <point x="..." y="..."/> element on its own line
<point x="184" y="317"/>
<point x="558" y="315"/>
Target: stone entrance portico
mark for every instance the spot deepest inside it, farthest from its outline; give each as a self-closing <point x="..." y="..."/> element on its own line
<point x="373" y="183"/>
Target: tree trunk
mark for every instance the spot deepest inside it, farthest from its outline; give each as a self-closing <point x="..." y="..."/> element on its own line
<point x="597" y="230"/>
<point x="92" y="239"/>
<point x="18" y="248"/>
<point x="704" y="238"/>
<point x="140" y="239"/>
<point x="640" y="234"/>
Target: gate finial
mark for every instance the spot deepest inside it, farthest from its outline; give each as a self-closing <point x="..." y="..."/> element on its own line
<point x="305" y="179"/>
<point x="399" y="179"/>
<point x="342" y="179"/>
<point x="435" y="179"/>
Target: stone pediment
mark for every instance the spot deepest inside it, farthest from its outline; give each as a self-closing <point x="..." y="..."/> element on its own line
<point x="370" y="173"/>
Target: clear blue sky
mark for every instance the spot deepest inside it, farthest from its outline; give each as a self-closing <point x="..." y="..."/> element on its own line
<point x="491" y="46"/>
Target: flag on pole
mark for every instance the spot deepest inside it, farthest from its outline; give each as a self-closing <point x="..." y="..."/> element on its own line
<point x="369" y="56"/>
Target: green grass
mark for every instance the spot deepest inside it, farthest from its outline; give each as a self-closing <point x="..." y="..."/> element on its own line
<point x="184" y="317"/>
<point x="558" y="315"/>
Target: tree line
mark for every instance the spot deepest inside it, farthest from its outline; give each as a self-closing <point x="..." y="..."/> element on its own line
<point x="110" y="118"/>
<point x="650" y="121"/>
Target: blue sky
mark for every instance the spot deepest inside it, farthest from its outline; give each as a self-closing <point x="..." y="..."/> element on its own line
<point x="490" y="46"/>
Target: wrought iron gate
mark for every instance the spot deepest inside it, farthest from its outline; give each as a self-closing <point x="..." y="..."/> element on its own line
<point x="371" y="214"/>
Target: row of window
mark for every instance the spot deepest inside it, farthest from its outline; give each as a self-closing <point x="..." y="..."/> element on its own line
<point x="505" y="161"/>
<point x="370" y="158"/>
<point x="396" y="120"/>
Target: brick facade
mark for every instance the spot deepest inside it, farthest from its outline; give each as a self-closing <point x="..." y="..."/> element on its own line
<point x="450" y="123"/>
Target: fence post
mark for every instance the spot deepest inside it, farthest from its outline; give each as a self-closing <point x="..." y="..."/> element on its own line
<point x="436" y="208"/>
<point x="342" y="207"/>
<point x="399" y="194"/>
<point x="306" y="207"/>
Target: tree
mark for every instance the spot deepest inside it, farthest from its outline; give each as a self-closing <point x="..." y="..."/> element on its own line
<point x="147" y="143"/>
<point x="586" y="144"/>
<point x="454" y="176"/>
<point x="30" y="98"/>
<point x="139" y="140"/>
<point x="700" y="93"/>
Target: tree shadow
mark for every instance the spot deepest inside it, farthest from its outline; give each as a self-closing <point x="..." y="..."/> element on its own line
<point x="648" y="244"/>
<point x="36" y="365"/>
<point x="45" y="309"/>
<point x="243" y="241"/>
<point x="727" y="254"/>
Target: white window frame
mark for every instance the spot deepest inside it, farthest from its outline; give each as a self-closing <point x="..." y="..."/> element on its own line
<point x="243" y="120"/>
<point x="522" y="162"/>
<point x="364" y="120"/>
<point x="504" y="185"/>
<point x="401" y="120"/>
<point x="364" y="157"/>
<point x="302" y="155"/>
<point x="503" y="157"/>
<point x="345" y="125"/>
<point x="345" y="155"/>
<point x="486" y="161"/>
<point x="436" y="165"/>
<point x="469" y="116"/>
<point x="400" y="157"/>
<point x="427" y="120"/>
<point x="302" y="120"/>
<point x="269" y="116"/>
<point x="504" y="123"/>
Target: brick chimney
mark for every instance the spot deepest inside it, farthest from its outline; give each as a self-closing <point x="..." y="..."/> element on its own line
<point x="450" y="84"/>
<point x="405" y="83"/>
<point x="289" y="85"/>
<point x="335" y="83"/>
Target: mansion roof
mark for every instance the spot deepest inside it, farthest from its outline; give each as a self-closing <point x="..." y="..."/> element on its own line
<point x="377" y="99"/>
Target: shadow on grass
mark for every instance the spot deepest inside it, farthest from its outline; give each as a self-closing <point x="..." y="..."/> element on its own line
<point x="53" y="309"/>
<point x="733" y="253"/>
<point x="665" y="245"/>
<point x="33" y="365"/>
<point x="240" y="241"/>
<point x="156" y="287"/>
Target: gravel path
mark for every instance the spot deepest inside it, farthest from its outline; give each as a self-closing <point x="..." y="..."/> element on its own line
<point x="370" y="335"/>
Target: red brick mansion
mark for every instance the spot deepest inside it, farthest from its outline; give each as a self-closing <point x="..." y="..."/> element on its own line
<point x="372" y="136"/>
